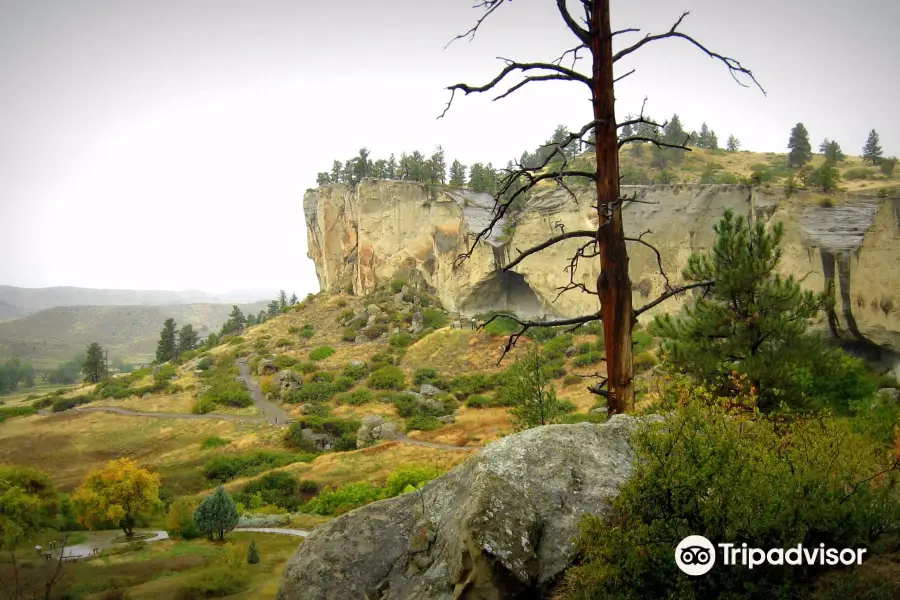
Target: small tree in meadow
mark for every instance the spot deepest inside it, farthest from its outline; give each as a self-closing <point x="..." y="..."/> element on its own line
<point x="529" y="389"/>
<point x="252" y="553"/>
<point x="216" y="515"/>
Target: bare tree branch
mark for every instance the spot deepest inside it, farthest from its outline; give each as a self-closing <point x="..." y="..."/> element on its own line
<point x="670" y="293"/>
<point x="554" y="240"/>
<point x="735" y="68"/>
<point x="639" y="239"/>
<point x="491" y="6"/>
<point x="527" y="324"/>
<point x="581" y="33"/>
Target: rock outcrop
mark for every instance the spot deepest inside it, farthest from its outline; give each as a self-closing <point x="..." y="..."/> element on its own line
<point x="367" y="235"/>
<point x="499" y="525"/>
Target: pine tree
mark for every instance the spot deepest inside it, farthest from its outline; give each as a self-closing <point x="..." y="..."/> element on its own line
<point x="749" y="320"/>
<point x="251" y="320"/>
<point x="361" y="165"/>
<point x="529" y="389"/>
<point x="252" y="553"/>
<point x="187" y="339"/>
<point x="323" y="178"/>
<point x="703" y="139"/>
<point x="887" y="166"/>
<point x="713" y="141"/>
<point x="293" y="299"/>
<point x="457" y="174"/>
<point x="823" y="147"/>
<point x="378" y="169"/>
<point x="261" y="317"/>
<point x="826" y="177"/>
<point x="336" y="170"/>
<point x="167" y="348"/>
<point x="734" y="144"/>
<point x="800" y="150"/>
<point x="282" y="300"/>
<point x="216" y="515"/>
<point x="438" y="165"/>
<point x="94" y="365"/>
<point x="235" y="322"/>
<point x="272" y="308"/>
<point x="833" y="152"/>
<point x="673" y="132"/>
<point x="872" y="150"/>
<point x="390" y="171"/>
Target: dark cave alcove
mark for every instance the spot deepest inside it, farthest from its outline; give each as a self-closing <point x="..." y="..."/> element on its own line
<point x="506" y="291"/>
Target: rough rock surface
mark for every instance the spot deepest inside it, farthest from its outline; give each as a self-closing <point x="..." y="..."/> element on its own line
<point x="499" y="525"/>
<point x="375" y="428"/>
<point x="363" y="236"/>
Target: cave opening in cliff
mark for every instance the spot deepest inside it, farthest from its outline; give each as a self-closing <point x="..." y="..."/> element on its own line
<point x="505" y="291"/>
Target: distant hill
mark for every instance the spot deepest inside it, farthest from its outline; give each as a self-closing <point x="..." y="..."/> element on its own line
<point x="17" y="301"/>
<point x="128" y="332"/>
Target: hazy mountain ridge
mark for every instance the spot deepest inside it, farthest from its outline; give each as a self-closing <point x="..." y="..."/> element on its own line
<point x="16" y="302"/>
<point x="128" y="332"/>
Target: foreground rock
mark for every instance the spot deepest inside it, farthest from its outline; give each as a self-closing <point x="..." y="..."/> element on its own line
<point x="500" y="525"/>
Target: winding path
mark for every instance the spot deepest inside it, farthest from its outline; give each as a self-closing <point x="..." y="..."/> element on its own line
<point x="272" y="413"/>
<point x="281" y="530"/>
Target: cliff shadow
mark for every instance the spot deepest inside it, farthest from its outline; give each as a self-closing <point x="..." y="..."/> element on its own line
<point x="504" y="291"/>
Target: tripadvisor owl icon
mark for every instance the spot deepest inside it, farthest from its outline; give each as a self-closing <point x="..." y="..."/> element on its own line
<point x="695" y="555"/>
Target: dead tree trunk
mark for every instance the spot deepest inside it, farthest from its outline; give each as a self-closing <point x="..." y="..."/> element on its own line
<point x="613" y="283"/>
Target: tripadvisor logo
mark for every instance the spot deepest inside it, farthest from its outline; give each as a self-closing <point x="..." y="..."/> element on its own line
<point x="696" y="555"/>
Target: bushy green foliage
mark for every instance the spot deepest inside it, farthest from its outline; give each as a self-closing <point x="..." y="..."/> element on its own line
<point x="355" y="372"/>
<point x="859" y="173"/>
<point x="321" y="353"/>
<point x="501" y="325"/>
<point x="205" y="363"/>
<point x="252" y="553"/>
<point x="400" y="340"/>
<point x="738" y="478"/>
<point x="355" y="398"/>
<point x="374" y="331"/>
<point x="62" y="404"/>
<point x="344" y="315"/>
<point x="277" y="488"/>
<point x="425" y="375"/>
<point x="306" y="367"/>
<point x="752" y="321"/>
<point x="471" y="383"/>
<point x="229" y="466"/>
<point x="314" y="391"/>
<point x="481" y="401"/>
<point x="397" y="285"/>
<point x="8" y="412"/>
<point x="557" y="347"/>
<point x="571" y="380"/>
<point x="284" y="361"/>
<point x="216" y="514"/>
<point x="213" y="442"/>
<point x="573" y="418"/>
<point x="214" y="583"/>
<point x="529" y="390"/>
<point x="423" y="423"/>
<point x="644" y="361"/>
<point x="344" y="498"/>
<point x="592" y="357"/>
<point x="433" y="318"/>
<point x="387" y="378"/>
<point x="306" y="331"/>
<point x="348" y="335"/>
<point x="640" y="341"/>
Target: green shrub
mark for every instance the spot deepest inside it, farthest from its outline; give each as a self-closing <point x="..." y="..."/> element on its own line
<point x="400" y="340"/>
<point x="284" y="361"/>
<point x="236" y="340"/>
<point x="355" y="372"/>
<point x="480" y="401"/>
<point x="594" y="327"/>
<point x="252" y="553"/>
<point x="342" y="384"/>
<point x="8" y="412"/>
<point x="557" y="347"/>
<point x="583" y="360"/>
<point x="644" y="361"/>
<point x="326" y="376"/>
<point x="355" y="398"/>
<point x="425" y="375"/>
<point x="205" y="363"/>
<point x="423" y="423"/>
<point x="859" y="173"/>
<point x="404" y="478"/>
<point x="344" y="498"/>
<point x="344" y="315"/>
<point x="574" y="418"/>
<point x="641" y="340"/>
<point x="826" y="202"/>
<point x="321" y="353"/>
<point x="213" y="442"/>
<point x="374" y="331"/>
<point x="433" y="318"/>
<point x="226" y="391"/>
<point x="306" y="367"/>
<point x="312" y="392"/>
<point x="471" y="383"/>
<point x="501" y="325"/>
<point x="727" y="477"/>
<point x="348" y="335"/>
<point x="387" y="378"/>
<point x="571" y="379"/>
<point x="59" y="405"/>
<point x="397" y="285"/>
<point x="306" y="331"/>
<point x="260" y="344"/>
<point x="214" y="583"/>
<point x="555" y="368"/>
<point x="345" y="443"/>
<point x="542" y="334"/>
<point x="229" y="466"/>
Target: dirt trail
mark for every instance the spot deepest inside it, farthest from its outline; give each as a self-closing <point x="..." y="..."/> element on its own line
<point x="272" y="413"/>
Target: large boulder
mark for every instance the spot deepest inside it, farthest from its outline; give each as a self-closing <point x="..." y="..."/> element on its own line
<point x="373" y="429"/>
<point x="501" y="525"/>
<point x="287" y="380"/>
<point x="266" y="367"/>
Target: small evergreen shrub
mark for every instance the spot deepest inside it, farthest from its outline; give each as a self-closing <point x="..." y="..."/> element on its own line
<point x="374" y="331"/>
<point x="400" y="340"/>
<point x="644" y="361"/>
<point x="306" y="331"/>
<point x="425" y="375"/>
<point x="556" y="347"/>
<point x="213" y="442"/>
<point x="284" y="361"/>
<point x="480" y="401"/>
<point x="571" y="380"/>
<point x="348" y="335"/>
<point x="252" y="553"/>
<point x="433" y="318"/>
<point x="321" y="353"/>
<point x="355" y="372"/>
<point x="355" y="398"/>
<point x="591" y="358"/>
<point x="387" y="378"/>
<point x="314" y="392"/>
<point x="641" y="340"/>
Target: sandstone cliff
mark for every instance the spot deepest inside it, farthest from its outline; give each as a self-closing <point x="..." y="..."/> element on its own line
<point x="360" y="237"/>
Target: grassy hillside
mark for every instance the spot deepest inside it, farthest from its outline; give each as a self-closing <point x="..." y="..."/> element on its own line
<point x="725" y="167"/>
<point x="129" y="332"/>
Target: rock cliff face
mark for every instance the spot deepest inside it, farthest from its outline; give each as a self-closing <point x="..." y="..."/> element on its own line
<point x="501" y="525"/>
<point x="360" y="237"/>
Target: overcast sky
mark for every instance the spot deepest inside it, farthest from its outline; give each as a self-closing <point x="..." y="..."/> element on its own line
<point x="166" y="144"/>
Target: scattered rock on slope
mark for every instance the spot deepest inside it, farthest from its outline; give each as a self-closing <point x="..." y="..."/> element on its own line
<point x="498" y="526"/>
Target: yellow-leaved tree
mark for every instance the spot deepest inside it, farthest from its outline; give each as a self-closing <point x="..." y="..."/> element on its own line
<point x="118" y="492"/>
